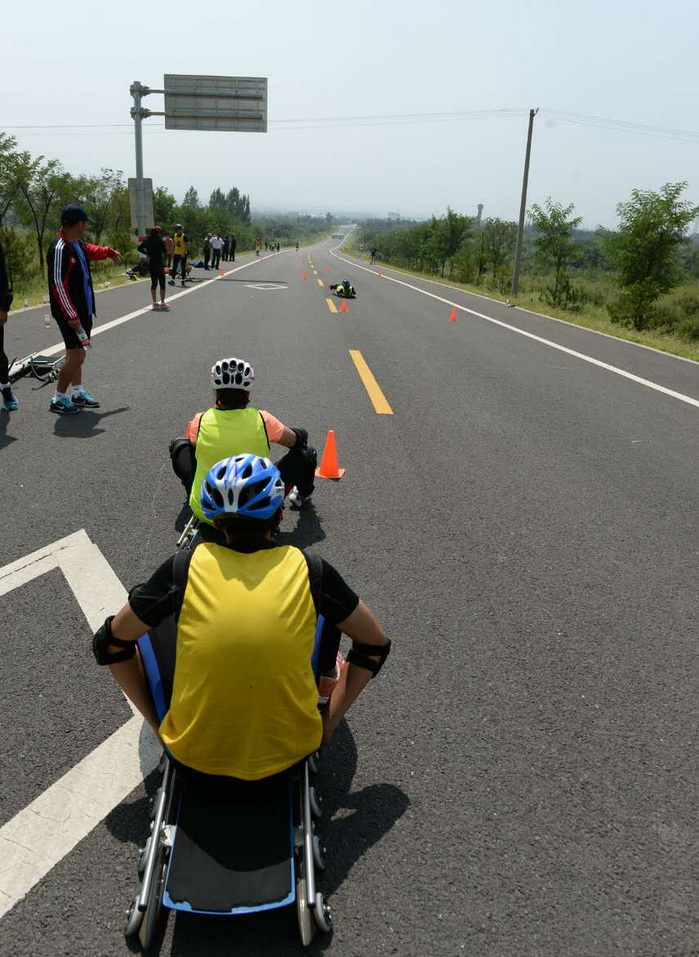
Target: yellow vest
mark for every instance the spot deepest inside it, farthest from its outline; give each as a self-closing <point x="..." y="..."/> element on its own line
<point x="180" y="245"/>
<point x="225" y="432"/>
<point x="244" y="700"/>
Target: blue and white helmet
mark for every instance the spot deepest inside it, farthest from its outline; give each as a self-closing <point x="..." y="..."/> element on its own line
<point x="246" y="485"/>
<point x="232" y="374"/>
<point x="346" y="282"/>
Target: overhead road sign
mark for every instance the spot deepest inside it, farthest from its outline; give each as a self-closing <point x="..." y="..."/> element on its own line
<point x="229" y="103"/>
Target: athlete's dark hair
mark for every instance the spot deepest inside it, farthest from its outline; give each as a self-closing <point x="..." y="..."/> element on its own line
<point x="237" y="525"/>
<point x="232" y="398"/>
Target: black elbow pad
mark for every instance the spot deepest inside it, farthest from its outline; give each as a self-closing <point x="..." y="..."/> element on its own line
<point x="301" y="438"/>
<point x="359" y="655"/>
<point x="103" y="638"/>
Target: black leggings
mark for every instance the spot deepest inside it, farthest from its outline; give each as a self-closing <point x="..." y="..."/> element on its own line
<point x="4" y="363"/>
<point x="157" y="277"/>
<point x="181" y="263"/>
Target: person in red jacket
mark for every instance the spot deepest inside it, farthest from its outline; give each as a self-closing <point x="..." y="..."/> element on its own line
<point x="73" y="305"/>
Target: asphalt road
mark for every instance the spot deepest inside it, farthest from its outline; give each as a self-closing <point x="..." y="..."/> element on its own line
<point x="521" y="779"/>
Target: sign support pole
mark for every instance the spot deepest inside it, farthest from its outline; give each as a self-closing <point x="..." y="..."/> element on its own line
<point x="137" y="90"/>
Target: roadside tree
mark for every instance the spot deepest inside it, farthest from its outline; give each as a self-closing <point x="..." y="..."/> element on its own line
<point x="500" y="238"/>
<point x="44" y="187"/>
<point x="644" y="250"/>
<point x="555" y="247"/>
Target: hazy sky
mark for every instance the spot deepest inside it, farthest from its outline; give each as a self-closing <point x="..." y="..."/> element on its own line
<point x="629" y="61"/>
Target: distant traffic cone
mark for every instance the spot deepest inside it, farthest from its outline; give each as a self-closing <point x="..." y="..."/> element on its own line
<point x="380" y="274"/>
<point x="222" y="272"/>
<point x="304" y="276"/>
<point x="329" y="467"/>
<point x="343" y="307"/>
<point x="452" y="315"/>
<point x="329" y="270"/>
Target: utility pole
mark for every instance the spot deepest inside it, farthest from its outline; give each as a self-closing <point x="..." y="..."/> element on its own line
<point x="137" y="90"/>
<point x="523" y="205"/>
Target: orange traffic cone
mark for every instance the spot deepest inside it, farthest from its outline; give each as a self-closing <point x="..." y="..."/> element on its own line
<point x="304" y="276"/>
<point x="343" y="307"/>
<point x="329" y="270"/>
<point x="222" y="272"/>
<point x="380" y="274"/>
<point x="329" y="467"/>
<point x="452" y="315"/>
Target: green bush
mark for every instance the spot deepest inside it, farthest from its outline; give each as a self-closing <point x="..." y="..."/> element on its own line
<point x="666" y="314"/>
<point x="20" y="256"/>
<point x="688" y="300"/>
<point x="689" y="328"/>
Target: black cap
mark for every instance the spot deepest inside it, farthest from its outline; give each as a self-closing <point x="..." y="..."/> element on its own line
<point x="73" y="214"/>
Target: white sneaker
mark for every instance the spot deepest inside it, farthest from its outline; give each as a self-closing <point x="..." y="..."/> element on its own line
<point x="296" y="500"/>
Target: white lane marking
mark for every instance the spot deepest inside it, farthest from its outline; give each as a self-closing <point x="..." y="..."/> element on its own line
<point x="530" y="335"/>
<point x="532" y="312"/>
<point x="97" y="330"/>
<point x="41" y="834"/>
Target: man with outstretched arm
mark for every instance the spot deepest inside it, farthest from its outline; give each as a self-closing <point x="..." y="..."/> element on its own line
<point x="72" y="300"/>
<point x="245" y="702"/>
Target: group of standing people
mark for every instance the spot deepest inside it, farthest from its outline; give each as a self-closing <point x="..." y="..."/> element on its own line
<point x="217" y="248"/>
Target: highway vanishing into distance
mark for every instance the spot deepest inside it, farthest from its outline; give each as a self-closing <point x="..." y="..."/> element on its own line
<point x="519" y="507"/>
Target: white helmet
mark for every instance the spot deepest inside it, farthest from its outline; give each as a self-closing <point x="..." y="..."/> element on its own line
<point x="232" y="374"/>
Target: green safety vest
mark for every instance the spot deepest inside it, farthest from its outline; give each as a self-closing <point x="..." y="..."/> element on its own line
<point x="222" y="433"/>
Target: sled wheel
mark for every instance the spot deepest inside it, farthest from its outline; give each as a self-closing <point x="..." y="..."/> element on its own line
<point x="322" y="914"/>
<point x="319" y="853"/>
<point x="307" y="925"/>
<point x="153" y="912"/>
<point x="316" y="803"/>
<point x="142" y="855"/>
<point x="133" y="918"/>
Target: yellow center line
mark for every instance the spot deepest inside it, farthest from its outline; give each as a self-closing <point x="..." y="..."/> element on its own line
<point x="320" y="282"/>
<point x="331" y="305"/>
<point x="378" y="399"/>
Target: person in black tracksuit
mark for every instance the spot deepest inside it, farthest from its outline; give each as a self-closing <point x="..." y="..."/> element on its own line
<point x="9" y="399"/>
<point x="154" y="248"/>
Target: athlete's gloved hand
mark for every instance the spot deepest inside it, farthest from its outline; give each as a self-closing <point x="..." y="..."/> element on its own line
<point x="301" y="438"/>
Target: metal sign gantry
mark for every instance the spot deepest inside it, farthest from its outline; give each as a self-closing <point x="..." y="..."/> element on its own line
<point x="195" y="102"/>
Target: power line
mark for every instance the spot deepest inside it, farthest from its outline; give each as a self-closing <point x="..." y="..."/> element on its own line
<point x="625" y="126"/>
<point x="387" y="119"/>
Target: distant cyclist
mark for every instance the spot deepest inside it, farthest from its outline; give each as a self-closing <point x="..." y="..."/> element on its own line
<point x="231" y="427"/>
<point x="245" y="700"/>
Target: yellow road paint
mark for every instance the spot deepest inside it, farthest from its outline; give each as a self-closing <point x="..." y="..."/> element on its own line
<point x="320" y="282"/>
<point x="331" y="305"/>
<point x="378" y="399"/>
